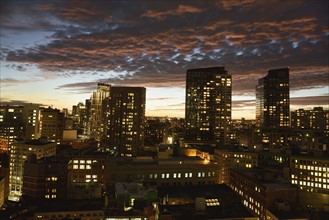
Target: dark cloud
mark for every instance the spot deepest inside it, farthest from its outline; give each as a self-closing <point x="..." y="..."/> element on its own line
<point x="19" y="102"/>
<point x="294" y="101"/>
<point x="151" y="44"/>
<point x="310" y="101"/>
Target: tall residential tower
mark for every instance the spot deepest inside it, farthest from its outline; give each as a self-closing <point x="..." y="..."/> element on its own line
<point x="208" y="105"/>
<point x="124" y="116"/>
<point x="272" y="99"/>
<point x="96" y="122"/>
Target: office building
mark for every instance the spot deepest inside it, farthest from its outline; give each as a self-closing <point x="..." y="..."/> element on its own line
<point x="156" y="132"/>
<point x="86" y="176"/>
<point x="18" y="154"/>
<point x="52" y="124"/>
<point x="310" y="173"/>
<point x="208" y="105"/>
<point x="44" y="179"/>
<point x="272" y="99"/>
<point x="96" y="110"/>
<point x="31" y="117"/>
<point x="260" y="193"/>
<point x="125" y="120"/>
<point x="229" y="159"/>
<point x="11" y="125"/>
<point x="316" y="119"/>
<point x="178" y="171"/>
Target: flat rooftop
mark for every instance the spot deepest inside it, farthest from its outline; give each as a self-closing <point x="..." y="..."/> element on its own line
<point x="230" y="204"/>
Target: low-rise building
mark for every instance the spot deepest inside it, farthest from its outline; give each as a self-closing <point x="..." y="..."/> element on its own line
<point x="259" y="191"/>
<point x="86" y="176"/>
<point x="228" y="159"/>
<point x="177" y="171"/>
<point x="45" y="178"/>
<point x="311" y="175"/>
<point x="18" y="155"/>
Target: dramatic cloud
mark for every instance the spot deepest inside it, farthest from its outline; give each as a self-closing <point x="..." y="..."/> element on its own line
<point x="153" y="43"/>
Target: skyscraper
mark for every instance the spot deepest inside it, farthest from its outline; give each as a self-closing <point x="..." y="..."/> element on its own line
<point x="272" y="99"/>
<point x="208" y="104"/>
<point x="11" y="125"/>
<point x="124" y="113"/>
<point x="96" y="123"/>
<point x="31" y="117"/>
<point x="52" y="124"/>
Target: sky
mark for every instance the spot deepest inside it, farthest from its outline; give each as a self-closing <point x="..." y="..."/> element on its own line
<point x="54" y="53"/>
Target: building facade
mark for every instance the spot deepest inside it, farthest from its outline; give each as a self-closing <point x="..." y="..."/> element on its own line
<point x="11" y="126"/>
<point x="86" y="176"/>
<point x="96" y="110"/>
<point x="310" y="173"/>
<point x="259" y="194"/>
<point x="52" y="124"/>
<point x="31" y="116"/>
<point x="316" y="119"/>
<point x="18" y="155"/>
<point x="229" y="159"/>
<point x="44" y="179"/>
<point x="272" y="99"/>
<point x="208" y="104"/>
<point x="124" y="115"/>
<point x="162" y="172"/>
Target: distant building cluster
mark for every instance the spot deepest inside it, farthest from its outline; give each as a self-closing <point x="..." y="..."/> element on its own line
<point x="104" y="159"/>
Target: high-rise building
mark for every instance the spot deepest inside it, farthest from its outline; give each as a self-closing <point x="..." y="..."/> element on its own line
<point x="11" y="126"/>
<point x="52" y="124"/>
<point x="125" y="120"/>
<point x="96" y="123"/>
<point x="87" y="118"/>
<point x="18" y="155"/>
<point x="272" y="99"/>
<point x="208" y="104"/>
<point x="316" y="119"/>
<point x="31" y="115"/>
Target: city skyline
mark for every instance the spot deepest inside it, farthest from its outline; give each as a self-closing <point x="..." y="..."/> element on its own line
<point x="55" y="52"/>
